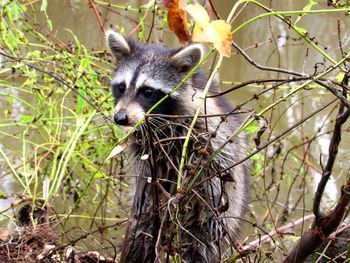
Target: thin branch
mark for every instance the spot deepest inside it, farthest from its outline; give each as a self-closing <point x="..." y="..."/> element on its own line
<point x="333" y="90"/>
<point x="268" y="237"/>
<point x="324" y="225"/>
<point x="263" y="146"/>
<point x="257" y="81"/>
<point x="98" y="17"/>
<point x="214" y="9"/>
<point x="62" y="81"/>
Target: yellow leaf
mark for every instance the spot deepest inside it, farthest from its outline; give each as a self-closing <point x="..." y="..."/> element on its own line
<point x="199" y="14"/>
<point x="223" y="38"/>
<point x="6" y="113"/>
<point x="216" y="32"/>
<point x="340" y="76"/>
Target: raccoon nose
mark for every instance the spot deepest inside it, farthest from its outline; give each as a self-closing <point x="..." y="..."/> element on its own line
<point x="121" y="119"/>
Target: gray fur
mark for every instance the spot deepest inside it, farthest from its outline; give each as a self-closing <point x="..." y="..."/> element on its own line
<point x="205" y="237"/>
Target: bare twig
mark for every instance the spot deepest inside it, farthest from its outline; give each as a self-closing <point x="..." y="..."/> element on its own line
<point x="214" y="9"/>
<point x="324" y="225"/>
<point x="257" y="81"/>
<point x="268" y="237"/>
<point x="60" y="80"/>
<point x="333" y="90"/>
<point x="264" y="145"/>
<point x="98" y="17"/>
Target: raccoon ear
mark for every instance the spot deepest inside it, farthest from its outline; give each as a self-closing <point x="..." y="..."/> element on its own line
<point x="188" y="57"/>
<point x="117" y="44"/>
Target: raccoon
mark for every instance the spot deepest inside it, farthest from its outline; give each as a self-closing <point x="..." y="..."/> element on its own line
<point x="199" y="221"/>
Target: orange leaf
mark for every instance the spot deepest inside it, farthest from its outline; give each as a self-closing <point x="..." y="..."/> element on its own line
<point x="216" y="32"/>
<point x="177" y="19"/>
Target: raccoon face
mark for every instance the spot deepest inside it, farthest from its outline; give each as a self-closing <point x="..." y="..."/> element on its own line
<point x="145" y="74"/>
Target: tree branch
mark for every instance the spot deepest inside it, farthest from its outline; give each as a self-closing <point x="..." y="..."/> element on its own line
<point x="321" y="229"/>
<point x="324" y="225"/>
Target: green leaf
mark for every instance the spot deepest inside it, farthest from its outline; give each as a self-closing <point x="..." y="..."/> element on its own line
<point x="306" y="9"/>
<point x="27" y="118"/>
<point x="164" y="21"/>
<point x="142" y="23"/>
<point x="11" y="40"/>
<point x="258" y="169"/>
<point x="10" y="100"/>
<point x="49" y="23"/>
<point x="3" y="195"/>
<point x="81" y="103"/>
<point x="14" y="11"/>
<point x="310" y="5"/>
<point x="252" y="129"/>
<point x="256" y="157"/>
<point x="99" y="175"/>
<point x="34" y="54"/>
<point x="84" y="63"/>
<point x="118" y="131"/>
<point x="43" y="6"/>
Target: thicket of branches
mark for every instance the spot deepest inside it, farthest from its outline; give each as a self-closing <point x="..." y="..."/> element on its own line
<point x="56" y="131"/>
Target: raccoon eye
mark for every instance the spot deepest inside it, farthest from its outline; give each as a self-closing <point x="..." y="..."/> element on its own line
<point x="118" y="88"/>
<point x="121" y="87"/>
<point x="147" y="92"/>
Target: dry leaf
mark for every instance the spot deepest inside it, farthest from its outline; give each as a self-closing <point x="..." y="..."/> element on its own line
<point x="43" y="254"/>
<point x="5" y="232"/>
<point x="46" y="187"/>
<point x="216" y="32"/>
<point x="177" y="19"/>
<point x="117" y="150"/>
<point x="144" y="157"/>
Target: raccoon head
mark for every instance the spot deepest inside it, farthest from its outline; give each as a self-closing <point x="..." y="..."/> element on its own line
<point x="145" y="74"/>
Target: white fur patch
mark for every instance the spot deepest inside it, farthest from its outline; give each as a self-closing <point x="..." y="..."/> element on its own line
<point x="133" y="109"/>
<point x="135" y="112"/>
<point x="124" y="76"/>
<point x="145" y="80"/>
<point x="118" y="107"/>
<point x="110" y="34"/>
<point x="184" y="56"/>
